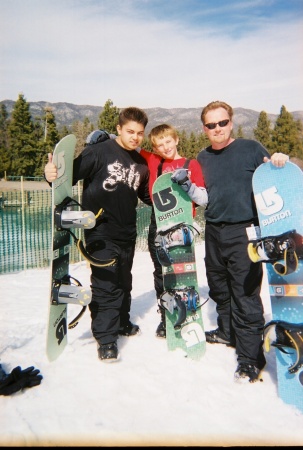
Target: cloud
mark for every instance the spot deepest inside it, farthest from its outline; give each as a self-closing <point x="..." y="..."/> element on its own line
<point x="88" y="52"/>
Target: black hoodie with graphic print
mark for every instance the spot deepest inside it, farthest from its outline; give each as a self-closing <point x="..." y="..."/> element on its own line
<point x="114" y="179"/>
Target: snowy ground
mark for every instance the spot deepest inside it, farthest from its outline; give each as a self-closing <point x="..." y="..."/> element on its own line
<point x="151" y="397"/>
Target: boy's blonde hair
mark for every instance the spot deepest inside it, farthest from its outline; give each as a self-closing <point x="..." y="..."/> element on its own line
<point x="161" y="131"/>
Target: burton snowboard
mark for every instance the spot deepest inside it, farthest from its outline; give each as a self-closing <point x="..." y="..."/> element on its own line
<point x="64" y="289"/>
<point x="279" y="198"/>
<point x="176" y="253"/>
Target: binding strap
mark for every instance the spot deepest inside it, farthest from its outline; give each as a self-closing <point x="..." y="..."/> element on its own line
<point x="93" y="261"/>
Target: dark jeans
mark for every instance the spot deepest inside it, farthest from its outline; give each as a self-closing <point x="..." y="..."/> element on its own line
<point x="234" y="284"/>
<point x="111" y="289"/>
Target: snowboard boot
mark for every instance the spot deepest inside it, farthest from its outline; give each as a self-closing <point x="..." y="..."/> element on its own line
<point x="247" y="373"/>
<point x="161" y="329"/>
<point x="108" y="352"/>
<point x="129" y="329"/>
<point x="214" y="337"/>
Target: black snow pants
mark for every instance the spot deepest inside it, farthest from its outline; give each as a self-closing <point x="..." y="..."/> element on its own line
<point x="111" y="289"/>
<point x="234" y="284"/>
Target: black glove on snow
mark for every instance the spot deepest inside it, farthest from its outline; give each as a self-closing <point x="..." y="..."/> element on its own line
<point x="180" y="176"/>
<point x="19" y="379"/>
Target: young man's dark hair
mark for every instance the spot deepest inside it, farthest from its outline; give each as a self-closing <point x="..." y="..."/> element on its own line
<point x="133" y="114"/>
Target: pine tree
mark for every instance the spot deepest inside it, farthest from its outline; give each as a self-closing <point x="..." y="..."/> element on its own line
<point x="51" y="135"/>
<point x="299" y="125"/>
<point x="4" y="144"/>
<point x="286" y="135"/>
<point x="64" y="131"/>
<point x="263" y="131"/>
<point x="108" y="119"/>
<point x="202" y="141"/>
<point x="240" y="133"/>
<point x="23" y="148"/>
<point x="183" y="143"/>
<point x="192" y="146"/>
<point x="46" y="138"/>
<point x="81" y="130"/>
<point x="38" y="134"/>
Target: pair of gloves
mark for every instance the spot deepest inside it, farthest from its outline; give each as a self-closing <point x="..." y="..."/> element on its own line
<point x="19" y="379"/>
<point x="197" y="194"/>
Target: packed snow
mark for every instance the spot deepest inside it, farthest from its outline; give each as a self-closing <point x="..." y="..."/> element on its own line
<point x="150" y="397"/>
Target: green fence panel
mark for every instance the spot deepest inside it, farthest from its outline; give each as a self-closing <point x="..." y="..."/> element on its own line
<point x="25" y="229"/>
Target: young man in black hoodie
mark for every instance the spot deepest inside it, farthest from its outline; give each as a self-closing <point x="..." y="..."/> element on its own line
<point x="115" y="176"/>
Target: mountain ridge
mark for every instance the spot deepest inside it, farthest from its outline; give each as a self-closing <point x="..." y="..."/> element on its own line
<point x="187" y="119"/>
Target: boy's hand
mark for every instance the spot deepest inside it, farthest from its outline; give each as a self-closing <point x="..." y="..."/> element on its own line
<point x="50" y="169"/>
<point x="180" y="176"/>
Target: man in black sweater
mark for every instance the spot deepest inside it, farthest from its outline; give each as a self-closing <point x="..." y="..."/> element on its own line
<point x="234" y="281"/>
<point x="115" y="176"/>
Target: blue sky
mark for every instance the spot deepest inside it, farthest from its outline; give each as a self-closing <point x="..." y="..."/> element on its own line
<point x="154" y="53"/>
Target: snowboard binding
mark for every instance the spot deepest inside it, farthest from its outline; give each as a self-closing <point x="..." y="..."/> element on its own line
<point x="282" y="251"/>
<point x="182" y="299"/>
<point x="66" y="218"/>
<point x="66" y="291"/>
<point x="178" y="235"/>
<point x="289" y="335"/>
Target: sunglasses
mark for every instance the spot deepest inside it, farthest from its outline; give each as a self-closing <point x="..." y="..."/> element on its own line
<point x="222" y="123"/>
